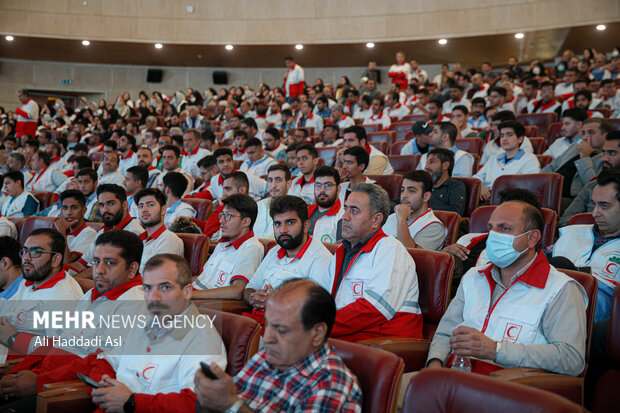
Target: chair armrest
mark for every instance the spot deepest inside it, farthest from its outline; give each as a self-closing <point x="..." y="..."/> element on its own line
<point x="65" y="399"/>
<point x="230" y="306"/>
<point x="63" y="384"/>
<point x="413" y="351"/>
<point x="9" y="364"/>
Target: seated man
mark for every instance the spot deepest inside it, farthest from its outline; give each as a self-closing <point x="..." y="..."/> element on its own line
<point x="72" y="226"/>
<point x="378" y="163"/>
<point x="325" y="216"/>
<point x="45" y="178"/>
<point x="109" y="170"/>
<point x="18" y="203"/>
<point x="87" y="183"/>
<point x="234" y="261"/>
<point x="303" y="186"/>
<point x="372" y="276"/>
<point x="572" y="124"/>
<point x="17" y="162"/>
<point x="512" y="161"/>
<point x="493" y="146"/>
<point x="174" y="186"/>
<point x="226" y="166"/>
<point x="419" y="145"/>
<point x="235" y="183"/>
<point x="299" y="255"/>
<point x="476" y="117"/>
<point x="448" y="194"/>
<point x="595" y="248"/>
<point x="518" y="311"/>
<point x="240" y="138"/>
<point x="444" y="136"/>
<point x="291" y="159"/>
<point x="547" y="102"/>
<point x="354" y="163"/>
<point x="208" y="169"/>
<point x="273" y="144"/>
<point x="146" y="159"/>
<point x="413" y="223"/>
<point x="157" y="239"/>
<point x="127" y="156"/>
<point x="279" y="181"/>
<point x="11" y="268"/>
<point x="393" y="107"/>
<point x="176" y="350"/>
<point x="329" y="137"/>
<point x="136" y="179"/>
<point x="171" y="159"/>
<point x="376" y="115"/>
<point x="193" y="152"/>
<point x="258" y="162"/>
<point x="326" y="384"/>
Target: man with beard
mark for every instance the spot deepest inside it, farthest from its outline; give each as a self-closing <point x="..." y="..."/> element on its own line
<point x="420" y="144"/>
<point x="448" y="194"/>
<point x="354" y="163"/>
<point x="235" y="260"/>
<point x="258" y="161"/>
<point x="193" y="152"/>
<point x="115" y="215"/>
<point x="208" y="169"/>
<point x="299" y="255"/>
<point x="444" y="136"/>
<point x="146" y="159"/>
<point x="413" y="223"/>
<point x="325" y="215"/>
<point x="109" y="170"/>
<point x="279" y="181"/>
<point x="72" y="226"/>
<point x="136" y="179"/>
<point x="172" y="355"/>
<point x="273" y="144"/>
<point x="171" y="159"/>
<point x="151" y="204"/>
<point x="127" y="156"/>
<point x="226" y="166"/>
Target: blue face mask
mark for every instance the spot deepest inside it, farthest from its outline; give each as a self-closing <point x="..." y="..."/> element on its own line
<point x="500" y="249"/>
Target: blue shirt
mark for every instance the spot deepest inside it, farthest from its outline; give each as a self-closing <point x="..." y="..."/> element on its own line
<point x="519" y="155"/>
<point x="10" y="292"/>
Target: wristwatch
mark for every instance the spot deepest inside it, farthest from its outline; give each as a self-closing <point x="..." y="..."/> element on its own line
<point x="235" y="408"/>
<point x="498" y="347"/>
<point x="11" y="341"/>
<point x="130" y="404"/>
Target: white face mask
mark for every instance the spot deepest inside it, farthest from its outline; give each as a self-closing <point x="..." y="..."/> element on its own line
<point x="536" y="70"/>
<point x="615" y="53"/>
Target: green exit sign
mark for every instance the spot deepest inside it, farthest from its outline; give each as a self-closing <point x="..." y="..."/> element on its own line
<point x="66" y="81"/>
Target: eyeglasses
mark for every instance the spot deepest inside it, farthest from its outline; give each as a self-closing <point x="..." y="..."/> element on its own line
<point x="326" y="185"/>
<point x="34" y="252"/>
<point x="227" y="217"/>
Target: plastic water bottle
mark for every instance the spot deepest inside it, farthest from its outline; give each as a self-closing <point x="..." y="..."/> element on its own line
<point x="461" y="363"/>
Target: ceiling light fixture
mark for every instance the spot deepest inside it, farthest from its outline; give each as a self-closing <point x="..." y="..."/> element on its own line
<point x="229" y="47"/>
<point x="85" y="42"/>
<point x="299" y="46"/>
<point x="370" y="45"/>
<point x="601" y="27"/>
<point x="9" y="38"/>
<point x="158" y="45"/>
<point x="442" y="41"/>
<point x="519" y="35"/>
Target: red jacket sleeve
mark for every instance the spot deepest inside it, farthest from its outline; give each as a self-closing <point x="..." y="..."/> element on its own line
<point x="356" y="317"/>
<point x="397" y="75"/>
<point x="206" y="194"/>
<point x="212" y="225"/>
<point x="20" y="112"/>
<point x="69" y="371"/>
<point x="185" y="401"/>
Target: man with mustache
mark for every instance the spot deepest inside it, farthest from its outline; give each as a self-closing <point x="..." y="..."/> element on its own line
<point x="354" y="163"/>
<point x="151" y="205"/>
<point x="146" y="159"/>
<point x="299" y="255"/>
<point x="279" y="181"/>
<point x="136" y="179"/>
<point x="71" y="224"/>
<point x="109" y="170"/>
<point x="325" y="215"/>
<point x="236" y="258"/>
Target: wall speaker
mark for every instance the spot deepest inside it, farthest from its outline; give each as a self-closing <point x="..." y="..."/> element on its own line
<point x="154" y="75"/>
<point x="220" y="77"/>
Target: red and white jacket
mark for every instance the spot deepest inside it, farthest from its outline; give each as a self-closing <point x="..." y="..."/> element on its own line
<point x="400" y="74"/>
<point x="294" y="83"/>
<point x="537" y="106"/>
<point x="27" y="119"/>
<point x="312" y="121"/>
<point x="399" y="110"/>
<point x="326" y="227"/>
<point x="381" y="118"/>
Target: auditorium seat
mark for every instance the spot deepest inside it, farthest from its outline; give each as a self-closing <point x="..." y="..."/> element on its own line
<point x="391" y="183"/>
<point x="451" y="221"/>
<point x="96" y="156"/>
<point x="480" y="218"/>
<point x="434" y="271"/>
<point x="371" y="127"/>
<point x="197" y="182"/>
<point x="476" y="165"/>
<point x="541" y="120"/>
<point x="472" y="187"/>
<point x="581" y="219"/>
<point x="95" y="225"/>
<point x="453" y="391"/>
<point x="32" y="223"/>
<point x="555" y="132"/>
<point x="539" y="144"/>
<point x="546" y="186"/>
<point x="397" y="147"/>
<point x="18" y="225"/>
<point x="614" y="123"/>
<point x="403" y="163"/>
<point x="268" y="244"/>
<point x="238" y="163"/>
<point x="379" y="374"/>
<point x="382" y="146"/>
<point x="531" y="130"/>
<point x="328" y="153"/>
<point x="415" y="118"/>
<point x="381" y="136"/>
<point x="203" y="207"/>
<point x="196" y="250"/>
<point x="567" y="386"/>
<point x="309" y="129"/>
<point x="45" y="198"/>
<point x="544" y="160"/>
<point x="471" y="145"/>
<point x="401" y="129"/>
<point x="606" y="112"/>
<point x="609" y="383"/>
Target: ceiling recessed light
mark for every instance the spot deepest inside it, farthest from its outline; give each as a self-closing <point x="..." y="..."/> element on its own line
<point x="10" y="38"/>
<point x="519" y="35"/>
<point x="229" y="47"/>
<point x="370" y="45"/>
<point x="299" y="46"/>
<point x="158" y="45"/>
<point x="85" y="42"/>
<point x="443" y="41"/>
<point x="601" y="27"/>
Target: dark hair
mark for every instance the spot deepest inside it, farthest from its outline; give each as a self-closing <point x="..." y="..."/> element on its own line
<point x="546" y="83"/>
<point x="80" y="147"/>
<point x="533" y="217"/>
<point x="603" y="126"/>
<point x="140" y="173"/>
<point x="178" y="139"/>
<point x="44" y="156"/>
<point x="130" y="244"/>
<point x="288" y="203"/>
<point x="360" y="133"/>
<point x="159" y="196"/>
<point x="131" y="139"/>
<point x="280" y="167"/>
<point x="9" y="248"/>
<point x="503" y="116"/>
<point x="207" y="135"/>
<point x="239" y="179"/>
<point x="499" y="89"/>
<point x="57" y="240"/>
<point x="610" y="176"/>
<point x="177" y="183"/>
<point x="244" y="204"/>
<point x="308" y="147"/>
<point x="207" y="162"/>
<point x="176" y="150"/>
<point x="360" y="154"/>
<point x="273" y="132"/>
<point x="515" y="125"/>
<point x="303" y="131"/>
<point x="112" y="144"/>
<point x="184" y="273"/>
<point x="532" y="82"/>
<point x="450" y="129"/>
<point x="250" y="122"/>
<point x="576" y="114"/>
<point x="75" y="194"/>
<point x="117" y="190"/>
<point x="327" y="171"/>
<point x="462" y="108"/>
<point x="519" y="194"/>
<point x="222" y="151"/>
<point x="15" y="176"/>
<point x="154" y="132"/>
<point x="611" y="136"/>
<point x="90" y="172"/>
<point x="32" y="142"/>
<point x="292" y="147"/>
<point x="331" y="126"/>
<point x="585" y="93"/>
<point x="421" y="176"/>
<point x="253" y="142"/>
<point x="444" y="155"/>
<point x="193" y="132"/>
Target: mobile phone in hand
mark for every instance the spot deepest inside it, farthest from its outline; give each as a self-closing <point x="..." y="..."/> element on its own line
<point x="88" y="381"/>
<point x="207" y="371"/>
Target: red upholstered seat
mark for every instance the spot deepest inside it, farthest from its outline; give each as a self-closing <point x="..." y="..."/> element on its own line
<point x="372" y="127"/>
<point x="415" y="118"/>
<point x="203" y="207"/>
<point x="96" y="156"/>
<point x="18" y="225"/>
<point x="451" y="221"/>
<point x="196" y="250"/>
<point x="472" y="186"/>
<point x="471" y="145"/>
<point x="544" y="160"/>
<point x="554" y="132"/>
<point x="451" y="391"/>
<point x="539" y="144"/>
<point x="268" y="244"/>
<point x="378" y="372"/>
<point x="381" y="136"/>
<point x="381" y="145"/>
<point x="531" y="130"/>
<point x="197" y="182"/>
<point x="581" y="219"/>
<point x="609" y="383"/>
<point x="391" y="183"/>
<point x="403" y="163"/>
<point x="614" y="123"/>
<point x="542" y="120"/>
<point x="32" y="223"/>
<point x="397" y="147"/>
<point x="401" y="129"/>
<point x="546" y="186"/>
<point x="45" y="198"/>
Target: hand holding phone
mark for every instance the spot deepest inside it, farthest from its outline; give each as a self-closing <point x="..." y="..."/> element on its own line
<point x="88" y="381"/>
<point x="207" y="371"/>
